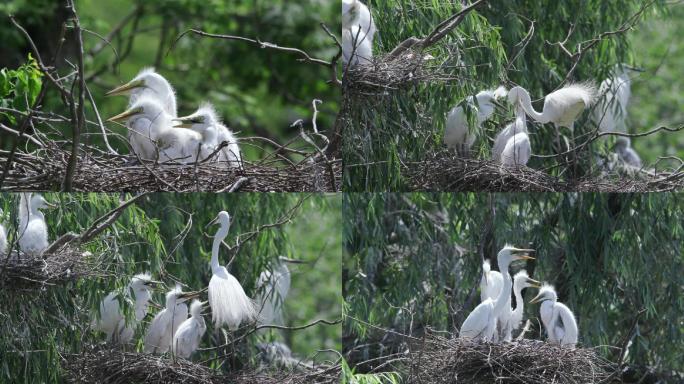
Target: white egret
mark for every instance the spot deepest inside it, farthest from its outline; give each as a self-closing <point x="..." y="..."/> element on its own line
<point x="512" y="145"/>
<point x="229" y="303"/>
<point x="511" y="320"/>
<point x="481" y="322"/>
<point x="190" y="332"/>
<point x="161" y="332"/>
<point x="355" y="13"/>
<point x="626" y="153"/>
<point x="272" y="288"/>
<point x="3" y="238"/>
<point x="611" y="108"/>
<point x="558" y="319"/>
<point x="357" y="48"/>
<point x="156" y="139"/>
<point x="112" y="321"/>
<point x="561" y="107"/>
<point x="491" y="282"/>
<point x="458" y="134"/>
<point x="148" y="83"/>
<point x="206" y="122"/>
<point x="33" y="231"/>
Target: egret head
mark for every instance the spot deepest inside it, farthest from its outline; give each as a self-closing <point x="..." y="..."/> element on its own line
<point x="514" y="95"/>
<point x="223" y="218"/>
<point x="545" y="293"/>
<point x="350" y="13"/>
<point x="203" y="118"/>
<point x="196" y="308"/>
<point x="177" y="296"/>
<point x="38" y="202"/>
<point x="622" y="143"/>
<point x="142" y="107"/>
<point x="145" y="80"/>
<point x="509" y="253"/>
<point x="142" y="282"/>
<point x="521" y="281"/>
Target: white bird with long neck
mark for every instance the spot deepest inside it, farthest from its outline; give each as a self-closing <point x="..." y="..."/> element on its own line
<point x="561" y="107"/>
<point x="557" y="318"/>
<point x="272" y="288"/>
<point x="517" y="148"/>
<point x="512" y="319"/>
<point x="491" y="282"/>
<point x="229" y="303"/>
<point x="3" y="237"/>
<point x="458" y="134"/>
<point x="355" y="13"/>
<point x="165" y="324"/>
<point x="33" y="231"/>
<point x="112" y="321"/>
<point x="156" y="139"/>
<point x="481" y="323"/>
<point x="150" y="84"/>
<point x="357" y="48"/>
<point x="206" y="122"/>
<point x="613" y="97"/>
<point x="190" y="332"/>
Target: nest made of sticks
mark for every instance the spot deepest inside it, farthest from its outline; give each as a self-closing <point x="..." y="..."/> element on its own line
<point x="442" y="360"/>
<point x="45" y="169"/>
<point x="113" y="365"/>
<point x="449" y="172"/>
<point x="22" y="272"/>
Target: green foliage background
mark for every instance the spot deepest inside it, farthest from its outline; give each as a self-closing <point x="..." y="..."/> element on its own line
<point x="39" y="328"/>
<point x="259" y="92"/>
<point x="386" y="131"/>
<point x="413" y="261"/>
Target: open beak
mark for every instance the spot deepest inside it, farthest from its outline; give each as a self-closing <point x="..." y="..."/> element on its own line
<point x="533" y="283"/>
<point x="50" y="205"/>
<point x="154" y="283"/>
<point x="189" y="295"/>
<point x="497" y="103"/>
<point x="536" y="299"/>
<point x="184" y="122"/>
<point x="123" y="89"/>
<point x="126" y="114"/>
<point x="522" y="254"/>
<point x="214" y="221"/>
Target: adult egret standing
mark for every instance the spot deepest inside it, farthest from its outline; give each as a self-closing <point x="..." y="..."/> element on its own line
<point x="481" y="322"/>
<point x="272" y="288"/>
<point x="458" y="134"/>
<point x="517" y="148"/>
<point x="561" y="107"/>
<point x="491" y="282"/>
<point x="354" y="12"/>
<point x="206" y="122"/>
<point x="112" y="321"/>
<point x="190" y="332"/>
<point x="558" y="319"/>
<point x="611" y="108"/>
<point x="33" y="232"/>
<point x="148" y="83"/>
<point x="155" y="138"/>
<point x="626" y="153"/>
<point x="229" y="303"/>
<point x="161" y="332"/>
<point x="512" y="319"/>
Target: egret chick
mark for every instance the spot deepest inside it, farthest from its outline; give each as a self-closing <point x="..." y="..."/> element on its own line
<point x="355" y="13"/>
<point x="161" y="332"/>
<point x="272" y="288"/>
<point x="33" y="232"/>
<point x="557" y="318"/>
<point x="190" y="332"/>
<point x="561" y="107"/>
<point x="491" y="282"/>
<point x="229" y="303"/>
<point x="148" y="83"/>
<point x="481" y="322"/>
<point x="626" y="153"/>
<point x="206" y="122"/>
<point x="511" y="320"/>
<point x="112" y="321"/>
<point x="155" y="138"/>
<point x="458" y="134"/>
<point x="518" y="149"/>
<point x="611" y="109"/>
<point x="357" y="48"/>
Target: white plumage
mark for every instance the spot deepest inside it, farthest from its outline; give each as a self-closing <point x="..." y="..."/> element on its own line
<point x="163" y="328"/>
<point x="33" y="231"/>
<point x="112" y="321"/>
<point x="558" y="319"/>
<point x="611" y="108"/>
<point x="626" y="153"/>
<point x="206" y="122"/>
<point x="148" y="83"/>
<point x="363" y="53"/>
<point x="355" y="13"/>
<point x="512" y="145"/>
<point x="511" y="319"/>
<point x="491" y="282"/>
<point x="190" y="332"/>
<point x="3" y="238"/>
<point x="561" y="107"/>
<point x="272" y="290"/>
<point x="458" y="134"/>
<point x="229" y="303"/>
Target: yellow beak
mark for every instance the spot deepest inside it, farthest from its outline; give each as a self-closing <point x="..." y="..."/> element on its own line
<point x="123" y="89"/>
<point x="184" y="122"/>
<point x="533" y="283"/>
<point x="536" y="299"/>
<point x="524" y="254"/>
<point x="126" y="114"/>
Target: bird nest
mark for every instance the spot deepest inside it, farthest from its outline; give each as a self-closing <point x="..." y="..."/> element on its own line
<point x="448" y="172"/>
<point x="46" y="168"/>
<point x="116" y="366"/>
<point x="21" y="272"/>
<point x="442" y="360"/>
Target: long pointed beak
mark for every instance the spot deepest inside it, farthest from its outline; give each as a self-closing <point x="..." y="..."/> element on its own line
<point x="189" y="295"/>
<point x="522" y="254"/>
<point x="125" y="114"/>
<point x="533" y="283"/>
<point x="184" y="122"/>
<point x="536" y="299"/>
<point x="497" y="103"/>
<point x="50" y="205"/>
<point x="120" y="90"/>
<point x="154" y="283"/>
<point x="214" y="221"/>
